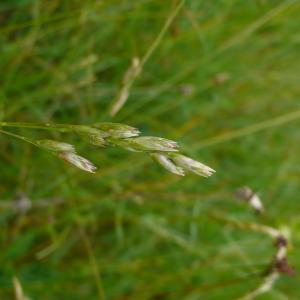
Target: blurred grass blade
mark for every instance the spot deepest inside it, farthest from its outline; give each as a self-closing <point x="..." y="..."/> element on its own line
<point x="137" y="66"/>
<point x="19" y="290"/>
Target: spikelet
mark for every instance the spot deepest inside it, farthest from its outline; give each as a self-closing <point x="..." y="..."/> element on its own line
<point x="91" y="135"/>
<point x="55" y="146"/>
<point x="117" y="130"/>
<point x="78" y="161"/>
<point x="192" y="165"/>
<point x="246" y="194"/>
<point x="167" y="163"/>
<point x="148" y="144"/>
<point x="67" y="152"/>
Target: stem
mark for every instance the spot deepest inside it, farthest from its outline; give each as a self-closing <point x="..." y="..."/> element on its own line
<point x="20" y="137"/>
<point x="256" y="227"/>
<point x="266" y="286"/>
<point x="164" y="29"/>
<point x="45" y="126"/>
<point x="92" y="258"/>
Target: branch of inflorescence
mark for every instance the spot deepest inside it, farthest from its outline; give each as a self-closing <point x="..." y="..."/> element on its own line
<point x="164" y="151"/>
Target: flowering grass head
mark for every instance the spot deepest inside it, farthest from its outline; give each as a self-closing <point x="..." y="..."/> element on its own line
<point x="164" y="151"/>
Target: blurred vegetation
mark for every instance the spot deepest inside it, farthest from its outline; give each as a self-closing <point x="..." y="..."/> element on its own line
<point x="133" y="230"/>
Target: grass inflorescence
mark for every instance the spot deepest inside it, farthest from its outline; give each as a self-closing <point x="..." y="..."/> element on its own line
<point x="113" y="134"/>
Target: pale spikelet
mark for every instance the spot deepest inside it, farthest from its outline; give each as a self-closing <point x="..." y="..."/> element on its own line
<point x="55" y="146"/>
<point x="78" y="161"/>
<point x="246" y="194"/>
<point x="167" y="163"/>
<point x="117" y="130"/>
<point x="91" y="135"/>
<point x="256" y="203"/>
<point x="149" y="143"/>
<point x="192" y="165"/>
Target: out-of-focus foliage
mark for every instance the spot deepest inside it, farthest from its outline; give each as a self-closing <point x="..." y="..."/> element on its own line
<point x="221" y="66"/>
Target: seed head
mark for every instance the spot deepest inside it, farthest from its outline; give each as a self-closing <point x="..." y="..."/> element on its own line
<point x="192" y="165"/>
<point x="117" y="130"/>
<point x="92" y="135"/>
<point x="167" y="163"/>
<point x="78" y="161"/>
<point x="149" y="143"/>
<point x="56" y="146"/>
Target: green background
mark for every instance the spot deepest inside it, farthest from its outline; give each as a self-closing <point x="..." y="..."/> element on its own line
<point x="133" y="229"/>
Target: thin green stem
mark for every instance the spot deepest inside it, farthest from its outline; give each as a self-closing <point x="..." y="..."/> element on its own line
<point x="164" y="29"/>
<point x="70" y="185"/>
<point x="277" y="121"/>
<point x="20" y="137"/>
<point x="44" y="126"/>
<point x="93" y="260"/>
